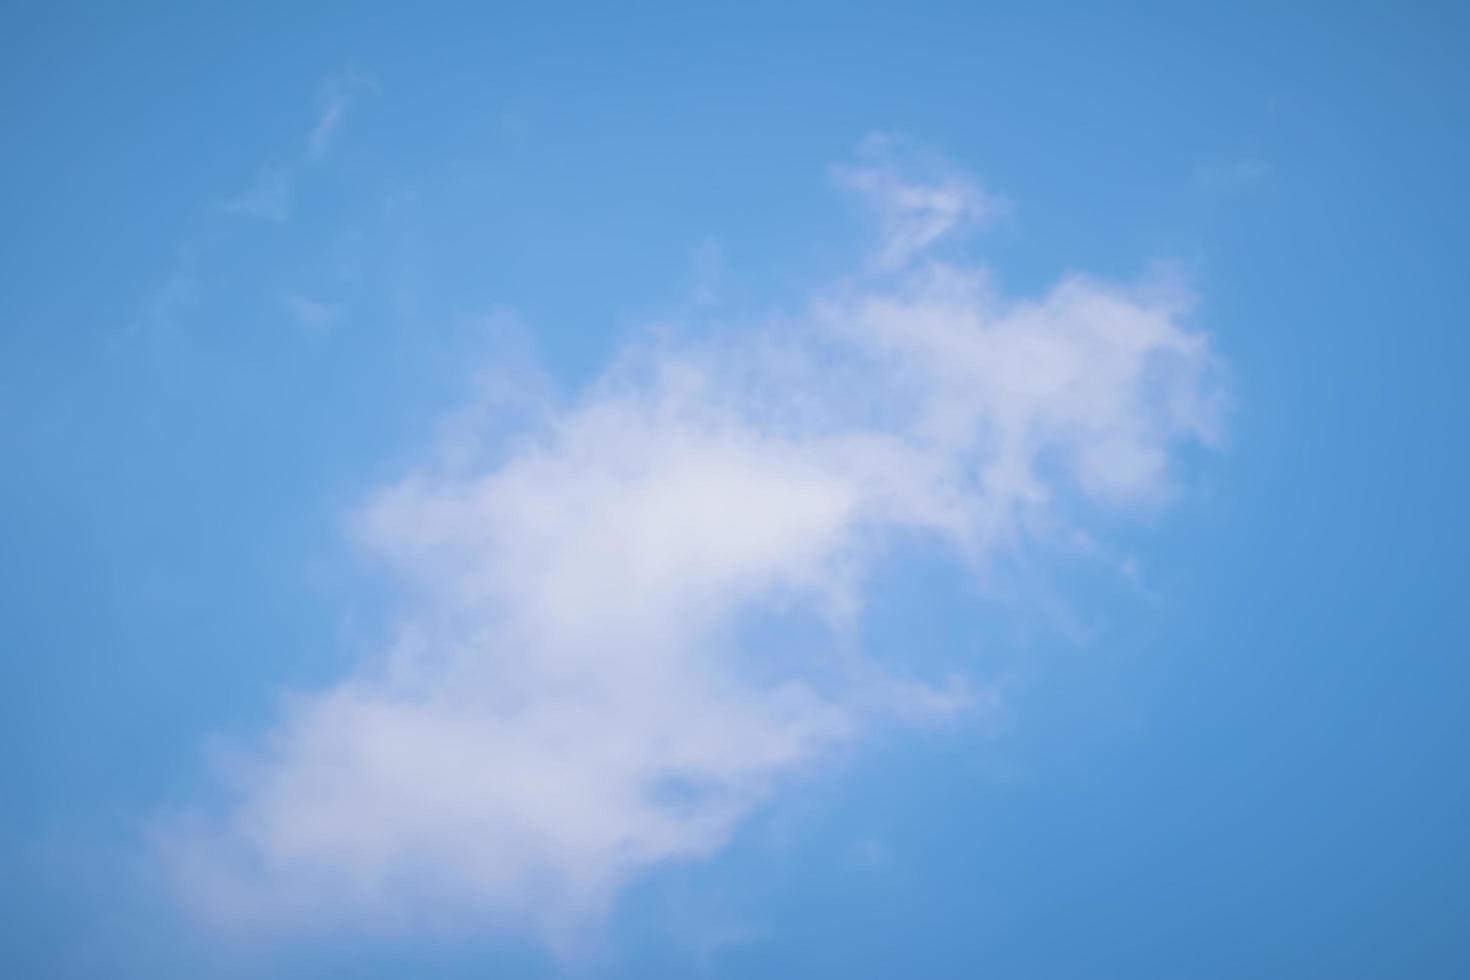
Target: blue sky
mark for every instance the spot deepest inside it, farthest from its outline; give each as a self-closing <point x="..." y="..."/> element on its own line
<point x="851" y="491"/>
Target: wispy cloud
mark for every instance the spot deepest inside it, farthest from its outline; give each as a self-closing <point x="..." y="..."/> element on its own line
<point x="709" y="272"/>
<point x="334" y="98"/>
<point x="171" y="301"/>
<point x="268" y="198"/>
<point x="917" y="198"/>
<point x="1240" y="171"/>
<point x="571" y="700"/>
<point x="307" y="311"/>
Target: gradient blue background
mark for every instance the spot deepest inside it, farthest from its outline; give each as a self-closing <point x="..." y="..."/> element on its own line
<point x="1262" y="772"/>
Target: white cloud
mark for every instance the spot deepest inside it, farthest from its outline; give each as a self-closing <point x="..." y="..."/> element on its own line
<point x="571" y="701"/>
